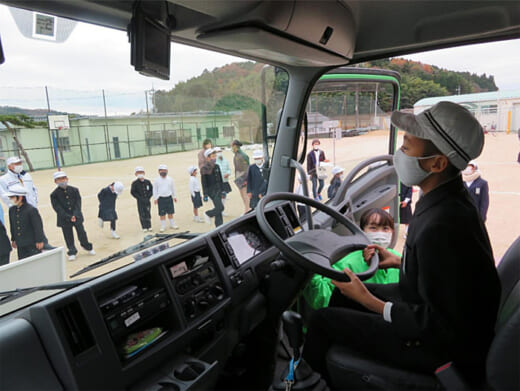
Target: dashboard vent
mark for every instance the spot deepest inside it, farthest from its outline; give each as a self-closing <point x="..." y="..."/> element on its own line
<point x="75" y="328"/>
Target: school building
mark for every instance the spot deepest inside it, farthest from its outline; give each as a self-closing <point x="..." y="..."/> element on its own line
<point x="496" y="111"/>
<point x="97" y="139"/>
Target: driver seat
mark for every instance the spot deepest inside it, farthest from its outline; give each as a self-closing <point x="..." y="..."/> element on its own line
<point x="348" y="367"/>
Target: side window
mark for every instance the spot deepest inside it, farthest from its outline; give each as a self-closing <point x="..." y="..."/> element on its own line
<point x="349" y="121"/>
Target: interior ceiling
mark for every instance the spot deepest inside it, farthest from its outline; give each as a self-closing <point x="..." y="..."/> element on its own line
<point x="289" y="31"/>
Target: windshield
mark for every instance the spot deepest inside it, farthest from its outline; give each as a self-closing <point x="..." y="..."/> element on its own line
<point x="70" y="100"/>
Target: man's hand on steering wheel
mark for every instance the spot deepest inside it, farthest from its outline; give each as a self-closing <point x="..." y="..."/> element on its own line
<point x="357" y="291"/>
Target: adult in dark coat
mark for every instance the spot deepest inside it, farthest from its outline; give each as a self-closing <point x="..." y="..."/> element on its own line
<point x="405" y="198"/>
<point x="478" y="188"/>
<point x="66" y="202"/>
<point x="5" y="245"/>
<point x="107" y="205"/>
<point x="25" y="222"/>
<point x="256" y="183"/>
<point x="445" y="305"/>
<point x="142" y="191"/>
<point x="314" y="157"/>
<point x="212" y="186"/>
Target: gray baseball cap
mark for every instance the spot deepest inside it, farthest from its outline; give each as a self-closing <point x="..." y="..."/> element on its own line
<point x="450" y="127"/>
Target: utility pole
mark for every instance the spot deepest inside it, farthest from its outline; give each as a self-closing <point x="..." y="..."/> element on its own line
<point x="106" y="126"/>
<point x="54" y="132"/>
<point x="147" y="122"/>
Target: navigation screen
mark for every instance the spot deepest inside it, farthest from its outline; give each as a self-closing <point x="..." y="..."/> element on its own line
<point x="246" y="243"/>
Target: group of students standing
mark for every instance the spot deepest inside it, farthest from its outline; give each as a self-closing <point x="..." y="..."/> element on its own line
<point x="27" y="235"/>
<point x="215" y="171"/>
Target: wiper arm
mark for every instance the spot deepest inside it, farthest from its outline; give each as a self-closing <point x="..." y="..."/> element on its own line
<point x="148" y="241"/>
<point x="7" y="296"/>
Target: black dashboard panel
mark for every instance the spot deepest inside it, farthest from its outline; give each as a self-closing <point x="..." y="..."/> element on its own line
<point x="171" y="319"/>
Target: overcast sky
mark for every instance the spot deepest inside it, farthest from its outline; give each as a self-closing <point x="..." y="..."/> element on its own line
<point x="95" y="58"/>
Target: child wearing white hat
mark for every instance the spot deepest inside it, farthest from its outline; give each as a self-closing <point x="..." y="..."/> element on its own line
<point x="107" y="206"/>
<point x="256" y="183"/>
<point x="142" y="191"/>
<point x="196" y="199"/>
<point x="335" y="183"/>
<point x="66" y="202"/>
<point x="164" y="195"/>
<point x="25" y="222"/>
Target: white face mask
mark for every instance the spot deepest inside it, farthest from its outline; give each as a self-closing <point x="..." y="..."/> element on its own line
<point x="316" y="147"/>
<point x="18" y="168"/>
<point x="140" y="176"/>
<point x="468" y="171"/>
<point x="408" y="169"/>
<point x="381" y="238"/>
<point x="259" y="162"/>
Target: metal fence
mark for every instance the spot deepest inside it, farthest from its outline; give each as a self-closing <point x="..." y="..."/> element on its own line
<point x="101" y="142"/>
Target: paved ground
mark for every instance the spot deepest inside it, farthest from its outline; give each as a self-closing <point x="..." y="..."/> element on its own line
<point x="497" y="164"/>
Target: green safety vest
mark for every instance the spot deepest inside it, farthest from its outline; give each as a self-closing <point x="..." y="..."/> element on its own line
<point x="319" y="289"/>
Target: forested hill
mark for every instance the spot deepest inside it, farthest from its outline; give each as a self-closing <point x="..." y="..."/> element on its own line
<point x="236" y="86"/>
<point x="420" y="80"/>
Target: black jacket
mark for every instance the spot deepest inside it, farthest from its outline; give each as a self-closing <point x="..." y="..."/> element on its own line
<point x="67" y="203"/>
<point x="5" y="243"/>
<point x="479" y="192"/>
<point x="312" y="163"/>
<point x="256" y="183"/>
<point x="26" y="225"/>
<point x="448" y="281"/>
<point x="107" y="204"/>
<point x="211" y="180"/>
<point x="142" y="191"/>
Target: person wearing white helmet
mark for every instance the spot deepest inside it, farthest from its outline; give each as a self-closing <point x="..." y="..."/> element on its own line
<point x="194" y="187"/>
<point x="16" y="175"/>
<point x="107" y="206"/>
<point x="164" y="196"/>
<point x="142" y="191"/>
<point x="25" y="223"/>
<point x="256" y="183"/>
<point x="335" y="183"/>
<point x="478" y="188"/>
<point x="66" y="202"/>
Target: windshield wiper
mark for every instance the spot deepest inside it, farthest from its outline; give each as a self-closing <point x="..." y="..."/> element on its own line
<point x="7" y="296"/>
<point x="148" y="241"/>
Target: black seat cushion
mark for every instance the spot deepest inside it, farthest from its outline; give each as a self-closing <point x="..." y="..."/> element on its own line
<point x="349" y="369"/>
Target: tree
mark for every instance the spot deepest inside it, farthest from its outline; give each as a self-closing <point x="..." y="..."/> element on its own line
<point x="16" y="121"/>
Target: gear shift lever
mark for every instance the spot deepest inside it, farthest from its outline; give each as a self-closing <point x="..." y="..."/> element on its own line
<point x="293" y="327"/>
<point x="298" y="376"/>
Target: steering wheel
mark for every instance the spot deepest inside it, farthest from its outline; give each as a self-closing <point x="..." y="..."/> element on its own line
<point x="318" y="249"/>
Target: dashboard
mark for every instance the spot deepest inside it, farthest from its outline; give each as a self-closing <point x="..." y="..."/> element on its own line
<point x="169" y="322"/>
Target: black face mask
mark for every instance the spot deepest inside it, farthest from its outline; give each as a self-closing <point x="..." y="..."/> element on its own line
<point x="163" y="174"/>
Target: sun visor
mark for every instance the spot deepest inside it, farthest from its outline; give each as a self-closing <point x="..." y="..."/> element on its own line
<point x="304" y="34"/>
<point x="255" y="41"/>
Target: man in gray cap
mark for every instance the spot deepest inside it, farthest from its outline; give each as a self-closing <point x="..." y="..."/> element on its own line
<point x="16" y="175"/>
<point x="445" y="305"/>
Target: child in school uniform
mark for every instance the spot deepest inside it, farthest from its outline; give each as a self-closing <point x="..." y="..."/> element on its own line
<point x="107" y="206"/>
<point x="335" y="183"/>
<point x="212" y="187"/>
<point x="256" y="183"/>
<point x="196" y="199"/>
<point x="164" y="195"/>
<point x="25" y="223"/>
<point x="225" y="171"/>
<point x="142" y="191"/>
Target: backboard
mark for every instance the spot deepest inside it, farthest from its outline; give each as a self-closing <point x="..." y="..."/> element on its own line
<point x="58" y="122"/>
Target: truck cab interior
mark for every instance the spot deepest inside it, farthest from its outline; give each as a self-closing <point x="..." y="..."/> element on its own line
<point x="214" y="303"/>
